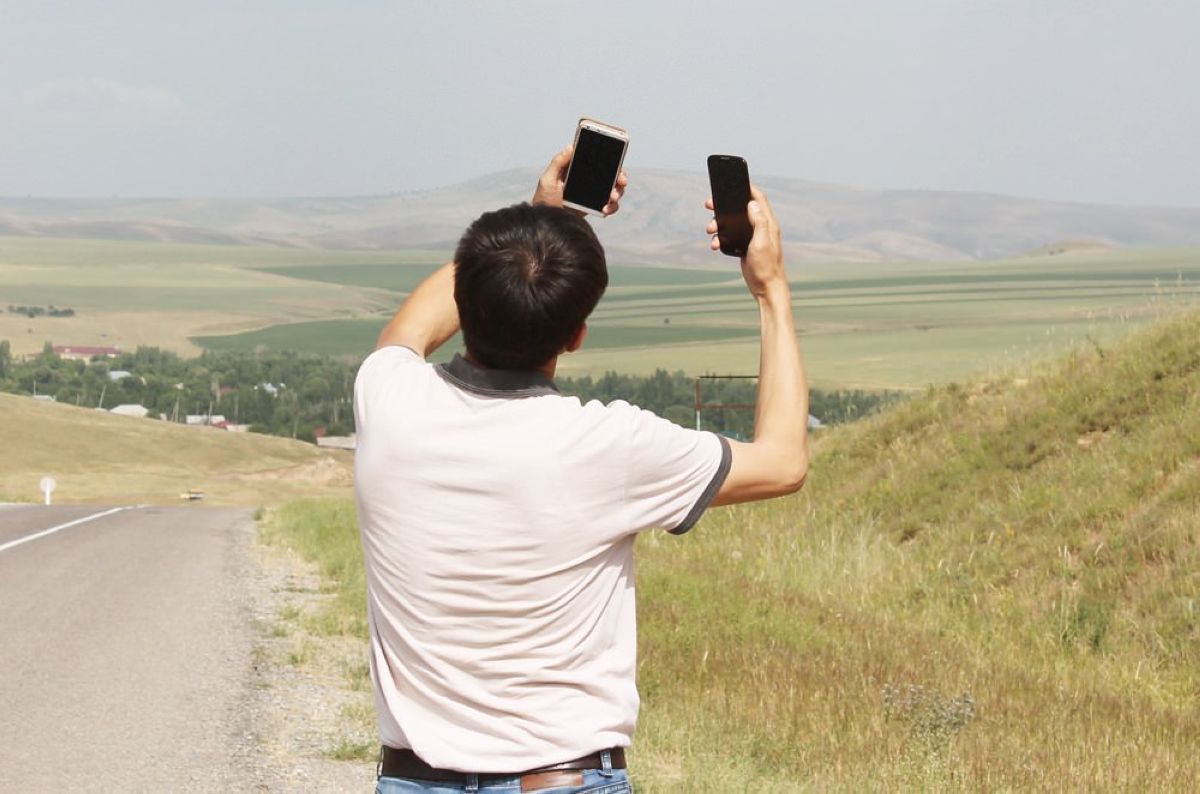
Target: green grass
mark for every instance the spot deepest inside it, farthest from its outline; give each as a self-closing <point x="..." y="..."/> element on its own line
<point x="403" y="276"/>
<point x="993" y="586"/>
<point x="874" y="326"/>
<point x="357" y="337"/>
<point x="324" y="532"/>
<point x="1032" y="542"/>
<point x="330" y="337"/>
<point x="141" y="293"/>
<point x="392" y="276"/>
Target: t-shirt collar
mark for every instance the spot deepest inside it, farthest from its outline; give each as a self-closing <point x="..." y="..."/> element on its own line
<point x="495" y="382"/>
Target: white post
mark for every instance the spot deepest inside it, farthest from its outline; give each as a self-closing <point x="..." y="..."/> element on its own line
<point x="48" y="484"/>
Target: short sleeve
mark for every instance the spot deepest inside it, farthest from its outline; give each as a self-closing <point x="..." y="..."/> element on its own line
<point x="376" y="374"/>
<point x="674" y="472"/>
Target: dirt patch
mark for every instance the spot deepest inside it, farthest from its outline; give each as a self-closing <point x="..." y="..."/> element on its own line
<point x="326" y="471"/>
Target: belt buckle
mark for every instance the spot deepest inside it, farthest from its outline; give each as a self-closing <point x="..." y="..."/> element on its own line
<point x="559" y="778"/>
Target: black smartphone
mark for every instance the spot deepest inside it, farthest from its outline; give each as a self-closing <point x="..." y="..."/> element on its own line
<point x="729" y="179"/>
<point x="599" y="152"/>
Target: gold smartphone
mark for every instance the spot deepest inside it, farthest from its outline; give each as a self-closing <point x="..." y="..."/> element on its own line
<point x="599" y="153"/>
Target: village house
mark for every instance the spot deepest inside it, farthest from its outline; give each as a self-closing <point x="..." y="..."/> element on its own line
<point x="84" y="352"/>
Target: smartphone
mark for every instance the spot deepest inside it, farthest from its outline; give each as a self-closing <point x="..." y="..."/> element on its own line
<point x="729" y="179"/>
<point x="599" y="152"/>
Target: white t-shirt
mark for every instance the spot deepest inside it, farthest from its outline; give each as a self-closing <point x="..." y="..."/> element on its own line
<point x="498" y="519"/>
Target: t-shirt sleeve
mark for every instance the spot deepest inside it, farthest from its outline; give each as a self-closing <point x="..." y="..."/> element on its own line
<point x="674" y="473"/>
<point x="372" y="380"/>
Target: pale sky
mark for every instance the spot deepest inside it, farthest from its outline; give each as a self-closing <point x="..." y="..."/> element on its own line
<point x="1088" y="100"/>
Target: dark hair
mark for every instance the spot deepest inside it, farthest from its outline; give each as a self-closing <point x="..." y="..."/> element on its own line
<point x="525" y="280"/>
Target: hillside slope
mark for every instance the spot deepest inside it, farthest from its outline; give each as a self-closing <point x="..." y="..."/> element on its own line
<point x="661" y="222"/>
<point x="98" y="457"/>
<point x="990" y="587"/>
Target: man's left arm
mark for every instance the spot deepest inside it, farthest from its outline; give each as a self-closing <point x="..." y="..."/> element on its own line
<point x="429" y="316"/>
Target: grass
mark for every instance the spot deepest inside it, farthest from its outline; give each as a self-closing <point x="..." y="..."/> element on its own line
<point x="130" y="294"/>
<point x="357" y="337"/>
<point x="993" y="586"/>
<point x="865" y="325"/>
<point x="318" y="531"/>
<point x="101" y="458"/>
<point x="404" y="276"/>
<point x="1030" y="544"/>
<point x="894" y="326"/>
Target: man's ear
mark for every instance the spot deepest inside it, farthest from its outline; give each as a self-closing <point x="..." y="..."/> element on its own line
<point x="577" y="340"/>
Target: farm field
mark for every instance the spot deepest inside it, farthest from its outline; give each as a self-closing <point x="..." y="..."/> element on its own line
<point x="127" y="294"/>
<point x="871" y="326"/>
<point x="864" y="325"/>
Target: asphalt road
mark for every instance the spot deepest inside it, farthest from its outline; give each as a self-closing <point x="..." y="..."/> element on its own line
<point x="125" y="649"/>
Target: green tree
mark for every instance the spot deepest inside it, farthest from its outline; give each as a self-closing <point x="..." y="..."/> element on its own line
<point x="5" y="359"/>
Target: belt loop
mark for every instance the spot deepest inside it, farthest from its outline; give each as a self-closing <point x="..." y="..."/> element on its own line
<point x="379" y="764"/>
<point x="606" y="764"/>
<point x="472" y="784"/>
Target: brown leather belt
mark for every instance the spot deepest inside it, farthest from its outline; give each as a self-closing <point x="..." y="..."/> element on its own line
<point x="395" y="762"/>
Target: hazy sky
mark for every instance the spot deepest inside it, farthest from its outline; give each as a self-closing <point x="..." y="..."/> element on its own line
<point x="1092" y="100"/>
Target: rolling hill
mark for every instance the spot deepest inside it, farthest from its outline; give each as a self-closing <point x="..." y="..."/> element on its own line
<point x="660" y="223"/>
<point x="101" y="458"/>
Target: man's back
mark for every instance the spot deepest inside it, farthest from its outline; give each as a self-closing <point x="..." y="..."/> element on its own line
<point x="498" y="520"/>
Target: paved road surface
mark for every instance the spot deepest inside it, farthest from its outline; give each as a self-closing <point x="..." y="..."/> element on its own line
<point x="125" y="649"/>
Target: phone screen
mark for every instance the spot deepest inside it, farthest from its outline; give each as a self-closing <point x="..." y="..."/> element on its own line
<point x="730" y="182"/>
<point x="594" y="169"/>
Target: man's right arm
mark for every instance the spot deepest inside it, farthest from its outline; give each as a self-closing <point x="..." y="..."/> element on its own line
<point x="775" y="463"/>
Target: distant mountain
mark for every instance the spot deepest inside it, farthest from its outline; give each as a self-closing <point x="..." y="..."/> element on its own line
<point x="662" y="220"/>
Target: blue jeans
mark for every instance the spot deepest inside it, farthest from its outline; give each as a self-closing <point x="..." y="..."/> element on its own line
<point x="593" y="783"/>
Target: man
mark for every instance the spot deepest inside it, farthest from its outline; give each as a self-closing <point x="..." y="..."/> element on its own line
<point x="498" y="517"/>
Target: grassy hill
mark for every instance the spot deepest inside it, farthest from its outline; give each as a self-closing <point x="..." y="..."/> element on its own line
<point x="1032" y="544"/>
<point x="991" y="587"/>
<point x="98" y="457"/>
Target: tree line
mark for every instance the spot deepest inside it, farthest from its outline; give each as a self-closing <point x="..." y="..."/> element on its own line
<point x="304" y="395"/>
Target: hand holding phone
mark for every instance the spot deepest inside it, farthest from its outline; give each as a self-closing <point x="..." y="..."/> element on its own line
<point x="729" y="179"/>
<point x="599" y="152"/>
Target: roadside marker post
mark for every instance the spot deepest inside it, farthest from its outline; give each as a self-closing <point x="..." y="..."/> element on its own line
<point x="48" y="486"/>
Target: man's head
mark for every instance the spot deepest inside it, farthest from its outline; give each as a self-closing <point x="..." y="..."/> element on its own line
<point x="525" y="280"/>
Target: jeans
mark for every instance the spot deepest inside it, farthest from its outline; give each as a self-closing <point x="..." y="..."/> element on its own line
<point x="595" y="781"/>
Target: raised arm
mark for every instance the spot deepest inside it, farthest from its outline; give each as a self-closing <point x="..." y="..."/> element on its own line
<point x="429" y="316"/>
<point x="776" y="462"/>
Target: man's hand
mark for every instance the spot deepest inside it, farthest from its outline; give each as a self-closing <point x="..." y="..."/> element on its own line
<point x="762" y="266"/>
<point x="550" y="184"/>
<point x="776" y="462"/>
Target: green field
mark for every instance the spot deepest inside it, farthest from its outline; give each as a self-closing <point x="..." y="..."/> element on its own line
<point x="875" y="326"/>
<point x="403" y="276"/>
<point x="357" y="337"/>
<point x="142" y="293"/>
